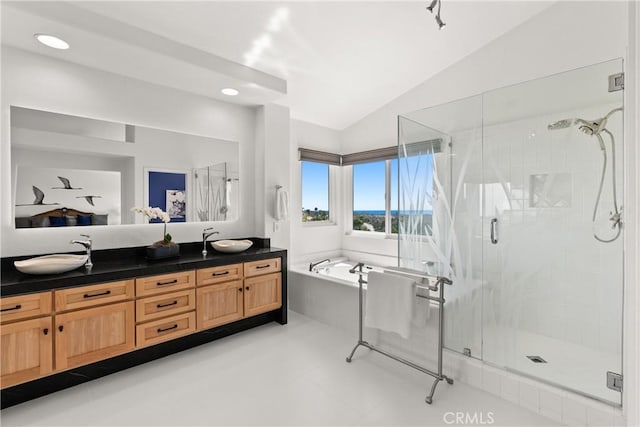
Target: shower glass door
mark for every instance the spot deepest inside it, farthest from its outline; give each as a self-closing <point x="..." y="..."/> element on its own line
<point x="553" y="275"/>
<point x="440" y="177"/>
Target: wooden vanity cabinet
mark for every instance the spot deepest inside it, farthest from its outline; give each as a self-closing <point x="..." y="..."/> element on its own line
<point x="25" y="306"/>
<point x="26" y="338"/>
<point x="219" y="304"/>
<point x="165" y="307"/>
<point x="92" y="334"/>
<point x="256" y="290"/>
<point x="93" y="323"/>
<point x="26" y="349"/>
<point x="262" y="294"/>
<point x="55" y="331"/>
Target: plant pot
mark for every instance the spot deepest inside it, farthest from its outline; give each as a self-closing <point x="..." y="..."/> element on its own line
<point x="162" y="252"/>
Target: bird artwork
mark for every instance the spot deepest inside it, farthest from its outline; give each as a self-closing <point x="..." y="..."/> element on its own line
<point x="89" y="199"/>
<point x="67" y="185"/>
<point x="39" y="200"/>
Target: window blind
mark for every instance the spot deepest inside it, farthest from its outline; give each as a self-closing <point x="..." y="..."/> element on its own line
<point x="387" y="153"/>
<point x="304" y="154"/>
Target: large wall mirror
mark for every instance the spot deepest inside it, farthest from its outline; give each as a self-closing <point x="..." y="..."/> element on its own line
<point x="76" y="171"/>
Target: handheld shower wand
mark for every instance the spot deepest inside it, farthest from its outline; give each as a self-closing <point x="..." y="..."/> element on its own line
<point x="596" y="128"/>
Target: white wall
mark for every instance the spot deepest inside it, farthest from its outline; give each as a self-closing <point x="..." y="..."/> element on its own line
<point x="43" y="83"/>
<point x="272" y="140"/>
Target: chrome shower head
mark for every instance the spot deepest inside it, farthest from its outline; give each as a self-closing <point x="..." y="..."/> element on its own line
<point x="560" y="124"/>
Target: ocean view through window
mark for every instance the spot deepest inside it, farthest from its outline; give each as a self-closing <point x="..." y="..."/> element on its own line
<point x="375" y="196"/>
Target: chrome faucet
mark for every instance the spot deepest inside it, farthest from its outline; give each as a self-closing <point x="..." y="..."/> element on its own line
<point x="314" y="264"/>
<point x="87" y="247"/>
<point x="206" y="233"/>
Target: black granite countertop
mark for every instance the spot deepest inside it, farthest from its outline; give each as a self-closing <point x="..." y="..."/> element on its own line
<point x="126" y="263"/>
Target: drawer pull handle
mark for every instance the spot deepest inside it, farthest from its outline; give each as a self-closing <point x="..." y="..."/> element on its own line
<point x="45" y="331"/>
<point x="60" y="328"/>
<point x="167" y="305"/>
<point x="17" y="307"/>
<point x="260" y="267"/>
<point x="175" y="326"/>
<point x="168" y="282"/>
<point x="220" y="274"/>
<point x="99" y="294"/>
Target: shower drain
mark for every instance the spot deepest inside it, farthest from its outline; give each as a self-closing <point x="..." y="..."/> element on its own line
<point x="536" y="359"/>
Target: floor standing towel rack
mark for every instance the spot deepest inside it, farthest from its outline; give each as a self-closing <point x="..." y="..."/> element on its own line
<point x="438" y="286"/>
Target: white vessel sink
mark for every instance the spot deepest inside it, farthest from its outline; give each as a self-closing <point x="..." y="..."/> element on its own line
<point x="231" y="246"/>
<point x="50" y="264"/>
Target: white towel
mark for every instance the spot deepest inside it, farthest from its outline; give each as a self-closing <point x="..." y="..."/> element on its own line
<point x="282" y="204"/>
<point x="390" y="301"/>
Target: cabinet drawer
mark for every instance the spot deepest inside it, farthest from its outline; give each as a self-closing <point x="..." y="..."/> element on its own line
<point x="165" y="283"/>
<point x="256" y="268"/>
<point x="25" y="306"/>
<point x="89" y="296"/>
<point x="165" y="305"/>
<point x="165" y="329"/>
<point x="223" y="273"/>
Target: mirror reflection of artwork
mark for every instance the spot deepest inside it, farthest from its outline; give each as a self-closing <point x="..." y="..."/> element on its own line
<point x="166" y="189"/>
<point x="176" y="206"/>
<point x="66" y="197"/>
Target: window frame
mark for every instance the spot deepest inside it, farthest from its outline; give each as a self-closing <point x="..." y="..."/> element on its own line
<point x="332" y="199"/>
<point x="387" y="233"/>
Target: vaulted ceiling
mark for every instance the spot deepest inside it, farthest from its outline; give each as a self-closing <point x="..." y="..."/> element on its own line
<point x="331" y="62"/>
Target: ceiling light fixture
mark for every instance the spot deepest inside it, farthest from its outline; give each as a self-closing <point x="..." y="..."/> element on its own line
<point x="430" y="9"/>
<point x="52" y="41"/>
<point x="229" y="91"/>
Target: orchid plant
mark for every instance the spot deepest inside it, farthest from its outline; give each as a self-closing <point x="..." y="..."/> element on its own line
<point x="157" y="213"/>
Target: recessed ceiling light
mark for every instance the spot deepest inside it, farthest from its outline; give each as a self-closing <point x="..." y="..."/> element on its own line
<point x="230" y="91"/>
<point x="52" y="41"/>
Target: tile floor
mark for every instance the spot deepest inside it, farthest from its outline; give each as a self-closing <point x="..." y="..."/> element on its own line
<point x="271" y="375"/>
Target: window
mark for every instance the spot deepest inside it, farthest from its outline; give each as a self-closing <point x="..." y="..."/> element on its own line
<point x="375" y="196"/>
<point x="416" y="209"/>
<point x="315" y="191"/>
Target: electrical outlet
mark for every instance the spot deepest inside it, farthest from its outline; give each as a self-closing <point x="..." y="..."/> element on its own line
<point x="276" y="227"/>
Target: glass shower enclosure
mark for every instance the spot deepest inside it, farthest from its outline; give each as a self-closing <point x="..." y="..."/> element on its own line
<point x="516" y="195"/>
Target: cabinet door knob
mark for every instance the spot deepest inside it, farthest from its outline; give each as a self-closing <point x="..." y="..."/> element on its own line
<point x="239" y="289"/>
<point x="60" y="328"/>
<point x="45" y="331"/>
<point x="247" y="288"/>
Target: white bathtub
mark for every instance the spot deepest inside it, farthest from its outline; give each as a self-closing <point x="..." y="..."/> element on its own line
<point x="328" y="294"/>
<point x="338" y="270"/>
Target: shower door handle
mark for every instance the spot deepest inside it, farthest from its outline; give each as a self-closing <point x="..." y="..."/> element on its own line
<point x="494" y="230"/>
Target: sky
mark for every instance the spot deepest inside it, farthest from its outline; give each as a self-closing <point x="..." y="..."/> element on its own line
<point x="368" y="184"/>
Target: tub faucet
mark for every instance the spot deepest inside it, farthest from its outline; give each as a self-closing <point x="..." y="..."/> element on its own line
<point x="315" y="264"/>
<point x="87" y="247"/>
<point x="206" y="233"/>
